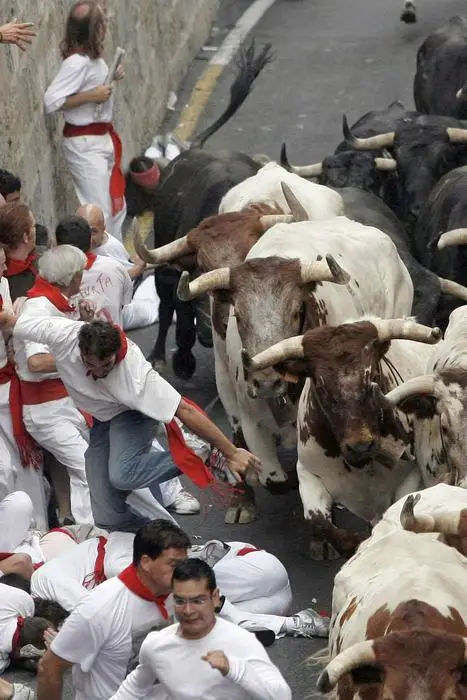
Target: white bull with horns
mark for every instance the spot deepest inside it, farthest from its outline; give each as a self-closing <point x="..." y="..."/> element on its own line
<point x="288" y="284"/>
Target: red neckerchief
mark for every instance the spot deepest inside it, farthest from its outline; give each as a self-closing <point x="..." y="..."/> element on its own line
<point x="17" y="634"/>
<point x="42" y="288"/>
<point x="91" y="259"/>
<point x="16" y="267"/>
<point x="129" y="578"/>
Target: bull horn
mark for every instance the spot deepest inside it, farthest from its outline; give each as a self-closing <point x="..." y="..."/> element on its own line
<point x="288" y="349"/>
<point x="403" y="329"/>
<point x="456" y="135"/>
<point x="367" y="144"/>
<point x="447" y="523"/>
<point x="165" y="253"/>
<point x="457" y="236"/>
<point x="387" y="164"/>
<point x="361" y="654"/>
<point x="312" y="170"/>
<point x="417" y="385"/>
<point x="298" y="211"/>
<point x="269" y="220"/>
<point x="327" y="270"/>
<point x="450" y="287"/>
<point x="215" y="279"/>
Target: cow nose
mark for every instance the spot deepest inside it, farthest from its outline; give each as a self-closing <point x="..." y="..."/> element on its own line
<point x="360" y="449"/>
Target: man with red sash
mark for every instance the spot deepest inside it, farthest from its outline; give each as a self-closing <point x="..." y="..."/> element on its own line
<point x="96" y="639"/>
<point x="105" y="281"/>
<point x="49" y="414"/>
<point x="107" y="375"/>
<point x="92" y="147"/>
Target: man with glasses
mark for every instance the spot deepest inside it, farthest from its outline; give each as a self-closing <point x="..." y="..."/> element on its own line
<point x="202" y="655"/>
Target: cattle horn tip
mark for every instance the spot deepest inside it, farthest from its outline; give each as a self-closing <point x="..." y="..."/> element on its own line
<point x="183" y="288"/>
<point x="340" y="275"/>
<point x="323" y="684"/>
<point x="348" y="136"/>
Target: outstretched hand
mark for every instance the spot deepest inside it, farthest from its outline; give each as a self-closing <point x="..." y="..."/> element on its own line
<point x="241" y="461"/>
<point x="18" y="33"/>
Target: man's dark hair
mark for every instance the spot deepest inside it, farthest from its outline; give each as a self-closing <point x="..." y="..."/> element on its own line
<point x="155" y="537"/>
<point x="9" y="183"/>
<point x="195" y="569"/>
<point x="50" y="610"/>
<point x="82" y="30"/>
<point x="140" y="164"/>
<point x="99" y="338"/>
<point x="17" y="581"/>
<point x="74" y="230"/>
<point x="32" y="632"/>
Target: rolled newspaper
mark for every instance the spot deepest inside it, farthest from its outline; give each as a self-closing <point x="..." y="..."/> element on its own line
<point x="118" y="58"/>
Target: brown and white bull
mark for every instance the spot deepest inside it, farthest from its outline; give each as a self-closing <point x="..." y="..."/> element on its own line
<point x="352" y="448"/>
<point x="283" y="289"/>
<point x="399" y="622"/>
<point x="438" y="399"/>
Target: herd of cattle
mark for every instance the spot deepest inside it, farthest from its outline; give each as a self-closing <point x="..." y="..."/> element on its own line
<point x="339" y="326"/>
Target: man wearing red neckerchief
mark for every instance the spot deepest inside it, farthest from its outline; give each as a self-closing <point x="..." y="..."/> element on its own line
<point x="97" y="637"/>
<point x="18" y="237"/>
<point x="107" y="375"/>
<point x="49" y="414"/>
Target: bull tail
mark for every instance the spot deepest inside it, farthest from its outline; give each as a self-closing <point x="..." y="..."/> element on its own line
<point x="249" y="67"/>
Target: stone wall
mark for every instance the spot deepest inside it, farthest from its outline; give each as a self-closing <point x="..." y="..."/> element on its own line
<point x="160" y="38"/>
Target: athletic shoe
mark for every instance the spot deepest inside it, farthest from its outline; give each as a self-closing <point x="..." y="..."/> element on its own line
<point x="22" y="692"/>
<point x="185" y="504"/>
<point x="308" y="623"/>
<point x="29" y="651"/>
<point x="211" y="552"/>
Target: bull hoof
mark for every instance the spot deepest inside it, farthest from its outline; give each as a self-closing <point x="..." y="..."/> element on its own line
<point x="320" y="550"/>
<point x="183" y="364"/>
<point x="241" y="514"/>
<point x="277" y="488"/>
<point x="409" y="15"/>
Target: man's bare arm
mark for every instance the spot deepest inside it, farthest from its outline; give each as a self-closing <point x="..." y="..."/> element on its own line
<point x="42" y="362"/>
<point x="50" y="676"/>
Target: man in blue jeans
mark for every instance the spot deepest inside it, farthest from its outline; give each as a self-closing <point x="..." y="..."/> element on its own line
<point x="107" y="375"/>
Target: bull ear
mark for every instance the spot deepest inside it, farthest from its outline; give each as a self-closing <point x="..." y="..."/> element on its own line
<point x="421" y="406"/>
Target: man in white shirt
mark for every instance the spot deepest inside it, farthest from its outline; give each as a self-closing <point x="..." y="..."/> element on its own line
<point x="105" y="281"/>
<point x="106" y="374"/>
<point x="16" y="511"/>
<point x="143" y="309"/>
<point x="49" y="414"/>
<point x="202" y="656"/>
<point x="97" y="637"/>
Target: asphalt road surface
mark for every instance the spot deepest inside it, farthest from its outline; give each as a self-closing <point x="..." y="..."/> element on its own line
<point x="330" y="57"/>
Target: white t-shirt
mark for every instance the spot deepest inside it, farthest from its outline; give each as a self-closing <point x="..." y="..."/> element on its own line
<point x="131" y="385"/>
<point x="69" y="577"/>
<point x="113" y="248"/>
<point x="108" y="284"/>
<point x="38" y="307"/>
<point x="78" y="74"/>
<point x="14" y="603"/>
<point x="178" y="666"/>
<point x="97" y="637"/>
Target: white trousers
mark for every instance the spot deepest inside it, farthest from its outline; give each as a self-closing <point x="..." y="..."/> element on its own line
<point x="13" y="477"/>
<point x="16" y="511"/>
<point x="61" y="429"/>
<point x="90" y="161"/>
<point x="144" y="307"/>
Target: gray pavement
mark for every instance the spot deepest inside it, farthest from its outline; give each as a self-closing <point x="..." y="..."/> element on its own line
<point x="331" y="57"/>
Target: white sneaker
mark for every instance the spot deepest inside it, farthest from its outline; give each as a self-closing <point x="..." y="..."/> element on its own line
<point x="309" y="623"/>
<point x="22" y="692"/>
<point x="185" y="504"/>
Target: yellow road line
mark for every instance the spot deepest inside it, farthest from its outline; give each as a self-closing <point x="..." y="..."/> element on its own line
<point x="197" y="102"/>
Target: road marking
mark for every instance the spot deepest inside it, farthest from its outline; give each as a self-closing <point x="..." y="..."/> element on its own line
<point x="207" y="82"/>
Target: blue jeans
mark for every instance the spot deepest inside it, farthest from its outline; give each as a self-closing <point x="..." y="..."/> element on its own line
<point x="120" y="459"/>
